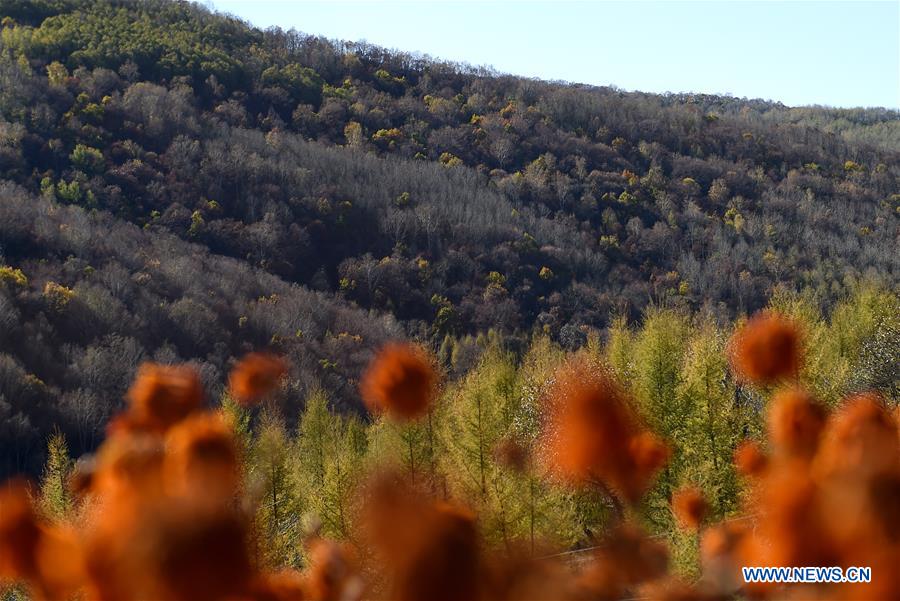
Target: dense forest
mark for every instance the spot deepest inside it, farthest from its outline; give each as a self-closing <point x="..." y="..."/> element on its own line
<point x="178" y="186"/>
<point x="651" y="466"/>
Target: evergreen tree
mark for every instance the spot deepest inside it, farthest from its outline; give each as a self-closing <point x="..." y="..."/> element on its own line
<point x="330" y="455"/>
<point x="620" y="348"/>
<point x="714" y="424"/>
<point x="865" y="328"/>
<point x="658" y="353"/>
<point x="479" y="413"/>
<point x="823" y="372"/>
<point x="345" y="458"/>
<point x="546" y="511"/>
<point x="414" y="447"/>
<point x="491" y="407"/>
<point x="313" y="436"/>
<point x="239" y="418"/>
<point x="277" y="526"/>
<point x="55" y="500"/>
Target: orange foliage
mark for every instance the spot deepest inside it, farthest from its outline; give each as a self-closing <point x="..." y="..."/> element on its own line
<point x="625" y="559"/>
<point x="400" y="381"/>
<point x="332" y="574"/>
<point x="19" y="532"/>
<point x="430" y="550"/>
<point x="47" y="557"/>
<point x="443" y="563"/>
<point x="860" y="440"/>
<point x="510" y="453"/>
<point x="523" y="574"/>
<point x="60" y="564"/>
<point x="593" y="435"/>
<point x="673" y="589"/>
<point x="766" y="349"/>
<point x="256" y="376"/>
<point x="722" y="547"/>
<point x="163" y="521"/>
<point x="162" y="395"/>
<point x="749" y="459"/>
<point x="128" y="469"/>
<point x="795" y="423"/>
<point x="650" y="454"/>
<point x="285" y="585"/>
<point x="189" y="551"/>
<point x="689" y="507"/>
<point x="828" y="496"/>
<point x="202" y="458"/>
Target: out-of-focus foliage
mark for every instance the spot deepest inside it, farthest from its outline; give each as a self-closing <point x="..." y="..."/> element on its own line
<point x="523" y="466"/>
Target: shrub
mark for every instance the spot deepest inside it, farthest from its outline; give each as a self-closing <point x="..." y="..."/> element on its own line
<point x="89" y="160"/>
<point x="13" y="276"/>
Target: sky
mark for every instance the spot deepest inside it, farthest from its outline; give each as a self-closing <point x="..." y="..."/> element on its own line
<point x="834" y="53"/>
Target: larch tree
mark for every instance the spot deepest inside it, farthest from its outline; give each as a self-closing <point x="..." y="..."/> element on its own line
<point x="485" y="412"/>
<point x="658" y="354"/>
<point x="714" y="425"/>
<point x="239" y="418"/>
<point x="331" y="453"/>
<point x="546" y="511"/>
<point x="619" y="350"/>
<point x="277" y="536"/>
<point x="55" y="499"/>
<point x="479" y="412"/>
<point x="822" y="372"/>
<point x="865" y="329"/>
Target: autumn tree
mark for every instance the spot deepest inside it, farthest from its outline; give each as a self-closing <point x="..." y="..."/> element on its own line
<point x="714" y="424"/>
<point x="330" y="454"/>
<point x="277" y="525"/>
<point x="55" y="499"/>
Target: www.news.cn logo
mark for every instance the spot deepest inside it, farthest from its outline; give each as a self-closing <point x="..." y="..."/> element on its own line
<point x="797" y="575"/>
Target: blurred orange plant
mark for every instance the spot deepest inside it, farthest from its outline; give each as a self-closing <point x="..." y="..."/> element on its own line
<point x="256" y="376"/>
<point x="593" y="434"/>
<point x="400" y="381"/>
<point x="163" y="521"/>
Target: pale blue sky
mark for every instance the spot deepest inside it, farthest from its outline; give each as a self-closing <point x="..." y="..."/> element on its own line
<point x="844" y="53"/>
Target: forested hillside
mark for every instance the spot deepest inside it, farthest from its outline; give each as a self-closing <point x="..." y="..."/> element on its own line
<point x="653" y="466"/>
<point x="179" y="186"/>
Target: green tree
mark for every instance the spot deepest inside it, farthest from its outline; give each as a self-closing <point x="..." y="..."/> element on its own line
<point x="342" y="476"/>
<point x="480" y="410"/>
<point x="484" y="411"/>
<point x="90" y="160"/>
<point x="823" y="371"/>
<point x="543" y="509"/>
<point x="864" y="330"/>
<point x="413" y="446"/>
<point x="70" y="192"/>
<point x="658" y="352"/>
<point x="353" y="133"/>
<point x="277" y="530"/>
<point x="302" y="83"/>
<point x="57" y="74"/>
<point x="330" y="455"/>
<point x="714" y="424"/>
<point x="620" y="348"/>
<point x="239" y="419"/>
<point x="55" y="499"/>
<point x="13" y="276"/>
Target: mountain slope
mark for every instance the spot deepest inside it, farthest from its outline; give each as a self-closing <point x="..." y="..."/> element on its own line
<point x="181" y="186"/>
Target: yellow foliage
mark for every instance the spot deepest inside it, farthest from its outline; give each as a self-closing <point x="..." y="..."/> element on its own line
<point x="12" y="275"/>
<point x="58" y="295"/>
